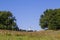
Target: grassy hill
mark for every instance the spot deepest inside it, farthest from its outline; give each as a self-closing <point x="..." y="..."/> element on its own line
<point x="41" y="35"/>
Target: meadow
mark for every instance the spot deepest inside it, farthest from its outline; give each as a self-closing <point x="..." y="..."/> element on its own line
<point x="40" y="35"/>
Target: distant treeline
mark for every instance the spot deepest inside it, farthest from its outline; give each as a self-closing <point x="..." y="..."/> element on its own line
<point x="25" y="30"/>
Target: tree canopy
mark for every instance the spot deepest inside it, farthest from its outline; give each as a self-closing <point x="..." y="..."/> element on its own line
<point x="50" y="19"/>
<point x="7" y="21"/>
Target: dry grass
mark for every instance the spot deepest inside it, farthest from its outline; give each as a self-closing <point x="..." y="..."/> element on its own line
<point x="40" y="35"/>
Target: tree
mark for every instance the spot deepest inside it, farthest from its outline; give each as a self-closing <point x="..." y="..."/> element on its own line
<point x="7" y="20"/>
<point x="50" y="19"/>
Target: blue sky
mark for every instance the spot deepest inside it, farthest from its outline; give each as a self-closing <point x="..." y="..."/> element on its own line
<point x="27" y="12"/>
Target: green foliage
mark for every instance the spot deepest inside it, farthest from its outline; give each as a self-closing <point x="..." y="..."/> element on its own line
<point x="7" y="21"/>
<point x="50" y="19"/>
